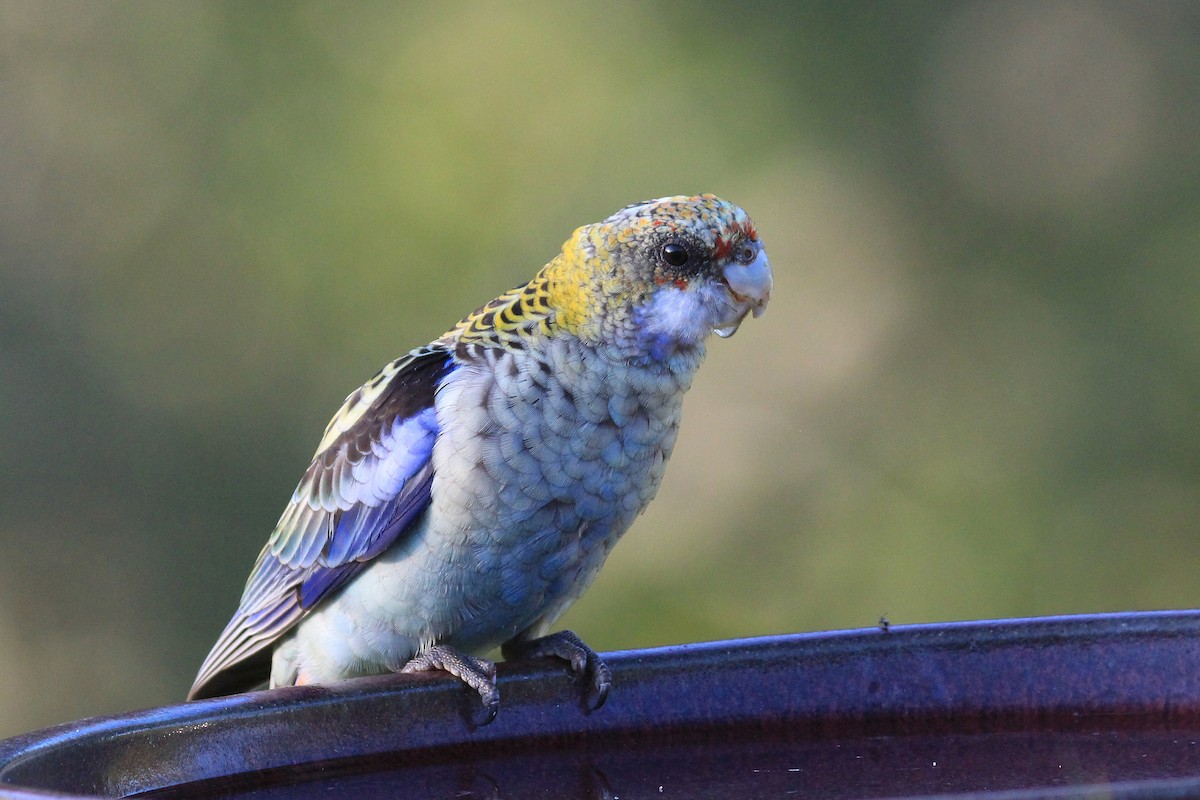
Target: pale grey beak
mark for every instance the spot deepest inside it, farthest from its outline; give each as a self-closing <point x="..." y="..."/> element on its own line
<point x="750" y="287"/>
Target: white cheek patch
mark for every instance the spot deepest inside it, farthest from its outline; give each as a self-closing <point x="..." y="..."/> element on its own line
<point x="679" y="314"/>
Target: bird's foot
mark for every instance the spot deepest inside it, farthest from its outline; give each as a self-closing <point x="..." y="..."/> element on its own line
<point x="592" y="673"/>
<point x="478" y="673"/>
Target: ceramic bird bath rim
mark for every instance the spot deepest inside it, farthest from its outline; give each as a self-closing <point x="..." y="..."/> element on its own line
<point x="1103" y="680"/>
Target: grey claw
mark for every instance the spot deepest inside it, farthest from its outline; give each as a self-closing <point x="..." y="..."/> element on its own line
<point x="477" y="673"/>
<point x="601" y="683"/>
<point x="590" y="672"/>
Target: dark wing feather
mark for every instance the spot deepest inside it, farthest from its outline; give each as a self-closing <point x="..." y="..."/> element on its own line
<point x="370" y="479"/>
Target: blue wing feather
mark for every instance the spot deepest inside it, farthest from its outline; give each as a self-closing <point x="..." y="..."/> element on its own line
<point x="368" y="483"/>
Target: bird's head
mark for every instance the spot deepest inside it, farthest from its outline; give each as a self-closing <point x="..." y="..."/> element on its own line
<point x="662" y="275"/>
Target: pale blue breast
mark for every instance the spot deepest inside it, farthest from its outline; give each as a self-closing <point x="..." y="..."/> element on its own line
<point x="546" y="458"/>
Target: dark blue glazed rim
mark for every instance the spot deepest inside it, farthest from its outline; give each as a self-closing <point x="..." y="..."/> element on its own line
<point x="859" y="713"/>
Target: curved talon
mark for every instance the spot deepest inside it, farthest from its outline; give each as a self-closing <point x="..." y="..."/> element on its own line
<point x="589" y="669"/>
<point x="602" y="682"/>
<point x="477" y="673"/>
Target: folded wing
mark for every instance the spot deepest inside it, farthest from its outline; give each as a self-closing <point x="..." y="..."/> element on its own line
<point x="366" y="486"/>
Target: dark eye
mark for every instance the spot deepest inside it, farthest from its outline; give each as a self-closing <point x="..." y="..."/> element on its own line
<point x="676" y="255"/>
<point x="745" y="254"/>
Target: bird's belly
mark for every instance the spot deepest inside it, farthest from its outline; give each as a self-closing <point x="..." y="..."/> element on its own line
<point x="473" y="590"/>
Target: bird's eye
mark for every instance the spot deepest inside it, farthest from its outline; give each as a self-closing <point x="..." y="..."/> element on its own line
<point x="676" y="255"/>
<point x="745" y="254"/>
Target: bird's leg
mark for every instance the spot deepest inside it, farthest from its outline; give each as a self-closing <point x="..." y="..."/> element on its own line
<point x="478" y="673"/>
<point x="585" y="663"/>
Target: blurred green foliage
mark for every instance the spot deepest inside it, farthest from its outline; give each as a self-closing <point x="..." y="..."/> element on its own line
<point x="976" y="392"/>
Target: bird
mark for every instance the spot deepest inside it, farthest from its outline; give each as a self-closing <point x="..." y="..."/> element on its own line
<point x="466" y="495"/>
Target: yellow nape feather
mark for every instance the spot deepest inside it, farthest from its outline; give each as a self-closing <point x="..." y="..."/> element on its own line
<point x="561" y="297"/>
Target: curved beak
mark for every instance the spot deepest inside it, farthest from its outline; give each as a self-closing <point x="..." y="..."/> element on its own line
<point x="750" y="287"/>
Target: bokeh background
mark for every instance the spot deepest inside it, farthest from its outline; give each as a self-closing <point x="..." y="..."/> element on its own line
<point x="976" y="393"/>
